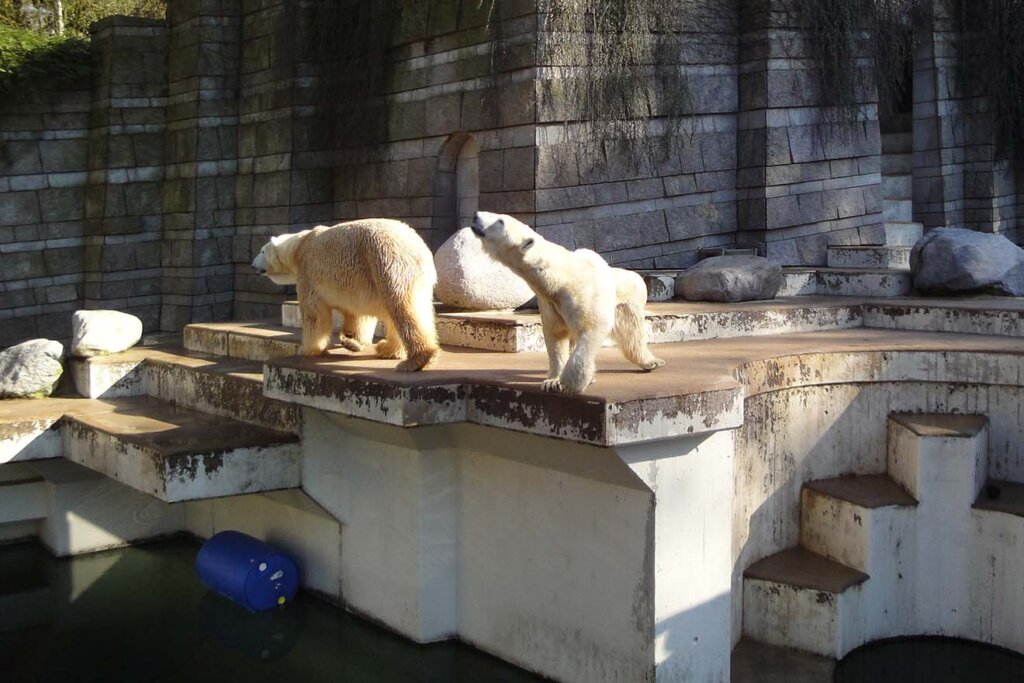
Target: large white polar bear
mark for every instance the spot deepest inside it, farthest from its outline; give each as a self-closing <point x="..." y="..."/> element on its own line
<point x="582" y="300"/>
<point x="366" y="269"/>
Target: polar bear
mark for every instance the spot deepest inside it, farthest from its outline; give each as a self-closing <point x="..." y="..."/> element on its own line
<point x="582" y="300"/>
<point x="365" y="269"/>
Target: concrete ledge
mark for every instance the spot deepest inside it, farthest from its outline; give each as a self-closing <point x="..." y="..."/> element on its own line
<point x="701" y="390"/>
<point x="175" y="454"/>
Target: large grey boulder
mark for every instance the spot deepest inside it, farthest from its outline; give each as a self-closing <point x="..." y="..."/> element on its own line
<point x="731" y="279"/>
<point x="468" y="278"/>
<point x="96" y="333"/>
<point x="961" y="261"/>
<point x="31" y="369"/>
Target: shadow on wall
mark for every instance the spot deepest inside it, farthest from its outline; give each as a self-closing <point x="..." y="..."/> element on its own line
<point x="456" y="187"/>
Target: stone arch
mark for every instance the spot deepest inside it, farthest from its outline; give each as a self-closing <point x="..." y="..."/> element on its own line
<point x="456" y="186"/>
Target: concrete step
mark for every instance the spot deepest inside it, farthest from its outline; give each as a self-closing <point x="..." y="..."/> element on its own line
<point x="898" y="211"/>
<point x="30" y="428"/>
<point x="1006" y="497"/>
<point x="939" y="458"/>
<point x="852" y="520"/>
<point x="759" y="663"/>
<point x="846" y="282"/>
<point x="897" y="164"/>
<point x="897" y="143"/>
<point x="175" y="454"/>
<point x="800" y="600"/>
<point x="518" y="332"/>
<point x="227" y="387"/>
<point x="898" y="187"/>
<point x="901" y="234"/>
<point x="1003" y="317"/>
<point x="889" y="258"/>
<point x="23" y="495"/>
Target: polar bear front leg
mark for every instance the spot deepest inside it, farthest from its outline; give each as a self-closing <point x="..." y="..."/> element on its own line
<point x="316" y="324"/>
<point x="581" y="367"/>
<point x="556" y="340"/>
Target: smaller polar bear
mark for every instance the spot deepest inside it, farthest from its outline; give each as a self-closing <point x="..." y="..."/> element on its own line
<point x="365" y="269"/>
<point x="582" y="300"/>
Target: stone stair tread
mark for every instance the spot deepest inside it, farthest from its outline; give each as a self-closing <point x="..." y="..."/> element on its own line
<point x="939" y="425"/>
<point x="867" y="491"/>
<point x="800" y="568"/>
<point x="171" y="431"/>
<point x="1008" y="498"/>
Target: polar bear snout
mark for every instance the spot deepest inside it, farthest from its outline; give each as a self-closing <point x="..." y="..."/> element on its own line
<point x="478" y="225"/>
<point x="259" y="264"/>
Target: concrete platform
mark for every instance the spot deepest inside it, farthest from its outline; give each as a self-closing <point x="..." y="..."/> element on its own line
<point x="701" y="389"/>
<point x="175" y="454"/>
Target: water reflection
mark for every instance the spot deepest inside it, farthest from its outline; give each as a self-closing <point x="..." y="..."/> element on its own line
<point x="145" y="617"/>
<point x="930" y="660"/>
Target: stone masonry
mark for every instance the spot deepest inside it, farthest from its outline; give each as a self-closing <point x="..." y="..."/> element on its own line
<point x="150" y="188"/>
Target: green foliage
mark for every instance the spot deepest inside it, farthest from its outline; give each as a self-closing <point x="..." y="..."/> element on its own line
<point x="29" y="60"/>
<point x="79" y="14"/>
<point x="993" y="65"/>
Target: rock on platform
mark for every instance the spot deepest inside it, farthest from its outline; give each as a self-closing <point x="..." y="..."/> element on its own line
<point x="96" y="333"/>
<point x="731" y="279"/>
<point x="468" y="278"/>
<point x="31" y="369"/>
<point x="960" y="261"/>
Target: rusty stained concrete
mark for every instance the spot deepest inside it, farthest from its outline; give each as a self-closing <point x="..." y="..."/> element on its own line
<point x="175" y="454"/>
<point x="701" y="389"/>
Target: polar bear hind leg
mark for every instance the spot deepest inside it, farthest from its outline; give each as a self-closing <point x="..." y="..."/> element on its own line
<point x="412" y="321"/>
<point x="630" y="333"/>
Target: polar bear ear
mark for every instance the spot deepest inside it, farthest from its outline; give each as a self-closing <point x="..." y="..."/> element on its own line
<point x="276" y="240"/>
<point x="527" y="244"/>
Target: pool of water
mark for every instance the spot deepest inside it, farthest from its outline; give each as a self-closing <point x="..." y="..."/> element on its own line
<point x="140" y="614"/>
<point x="930" y="660"/>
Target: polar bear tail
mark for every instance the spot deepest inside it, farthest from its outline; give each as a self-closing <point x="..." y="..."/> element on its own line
<point x="630" y="333"/>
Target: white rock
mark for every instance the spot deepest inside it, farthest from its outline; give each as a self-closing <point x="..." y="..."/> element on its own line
<point x="95" y="333"/>
<point x="468" y="278"/>
<point x="960" y="261"/>
<point x="31" y="369"/>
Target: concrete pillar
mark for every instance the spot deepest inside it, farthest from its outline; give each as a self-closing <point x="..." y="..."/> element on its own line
<point x="806" y="181"/>
<point x="202" y="149"/>
<point x="123" y="205"/>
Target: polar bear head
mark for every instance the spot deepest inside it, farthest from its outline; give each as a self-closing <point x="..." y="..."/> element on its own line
<point x="507" y="240"/>
<point x="276" y="259"/>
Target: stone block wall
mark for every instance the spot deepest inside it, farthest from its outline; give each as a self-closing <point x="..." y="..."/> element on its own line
<point x="809" y="175"/>
<point x="123" y="203"/>
<point x="43" y="171"/>
<point x="653" y="204"/>
<point x="151" y="188"/>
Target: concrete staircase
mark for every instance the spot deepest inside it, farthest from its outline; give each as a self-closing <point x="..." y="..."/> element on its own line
<point x="908" y="552"/>
<point x="882" y="268"/>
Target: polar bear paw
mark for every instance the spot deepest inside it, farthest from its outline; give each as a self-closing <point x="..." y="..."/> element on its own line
<point x="552" y="386"/>
<point x="350" y="344"/>
<point x="418" y="362"/>
<point x="388" y="350"/>
<point x="652" y="364"/>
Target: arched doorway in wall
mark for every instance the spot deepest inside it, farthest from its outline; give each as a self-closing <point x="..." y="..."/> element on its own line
<point x="456" y="187"/>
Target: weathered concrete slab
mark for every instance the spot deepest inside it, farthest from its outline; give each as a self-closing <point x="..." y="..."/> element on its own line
<point x="175" y="454"/>
<point x="847" y="282"/>
<point x="884" y="257"/>
<point x="700" y="390"/>
<point x="759" y="663"/>
<point x="29" y="428"/>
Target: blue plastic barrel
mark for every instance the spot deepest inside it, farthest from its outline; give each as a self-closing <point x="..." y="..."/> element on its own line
<point x="247" y="571"/>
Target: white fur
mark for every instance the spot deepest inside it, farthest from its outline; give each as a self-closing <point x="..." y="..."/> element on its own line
<point x="582" y="300"/>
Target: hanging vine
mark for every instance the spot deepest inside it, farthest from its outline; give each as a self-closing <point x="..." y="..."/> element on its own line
<point x="615" y="64"/>
<point x="993" y="66"/>
<point x="842" y="34"/>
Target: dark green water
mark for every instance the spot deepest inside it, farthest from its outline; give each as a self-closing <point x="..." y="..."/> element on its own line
<point x="140" y="614"/>
<point x="930" y="660"/>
